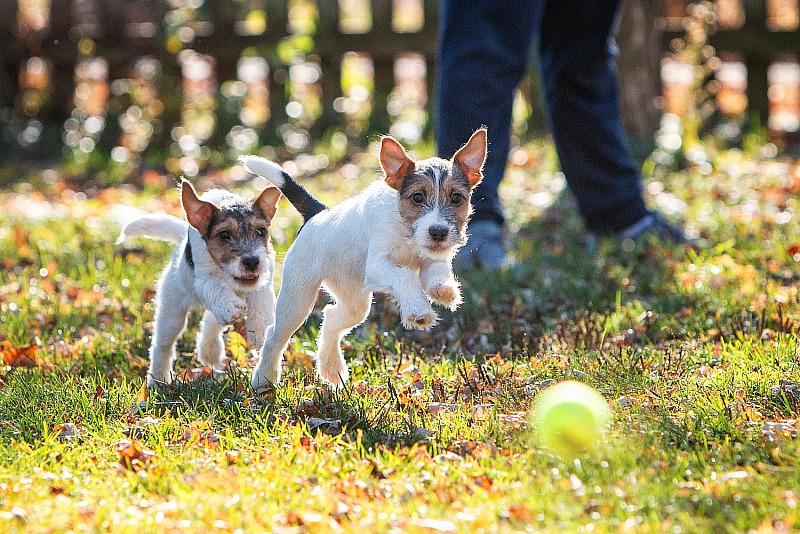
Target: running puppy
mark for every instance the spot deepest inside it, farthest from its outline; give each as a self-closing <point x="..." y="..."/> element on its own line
<point x="224" y="263"/>
<point x="398" y="236"/>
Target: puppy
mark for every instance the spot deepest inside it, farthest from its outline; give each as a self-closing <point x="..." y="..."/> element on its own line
<point x="398" y="236"/>
<point x="224" y="263"/>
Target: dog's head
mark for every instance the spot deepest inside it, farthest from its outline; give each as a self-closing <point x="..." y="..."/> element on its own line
<point x="236" y="231"/>
<point x="434" y="194"/>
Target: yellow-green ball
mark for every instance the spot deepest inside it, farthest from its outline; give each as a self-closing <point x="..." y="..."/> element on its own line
<point x="570" y="417"/>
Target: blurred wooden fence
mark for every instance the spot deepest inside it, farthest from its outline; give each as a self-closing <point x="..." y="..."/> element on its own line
<point x="760" y="40"/>
<point x="122" y="32"/>
<point x="64" y="37"/>
<point x="58" y="36"/>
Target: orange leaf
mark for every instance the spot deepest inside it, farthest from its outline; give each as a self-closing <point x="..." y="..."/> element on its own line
<point x="21" y="237"/>
<point x="27" y="356"/>
<point x="133" y="456"/>
<point x="209" y="439"/>
<point x="520" y="512"/>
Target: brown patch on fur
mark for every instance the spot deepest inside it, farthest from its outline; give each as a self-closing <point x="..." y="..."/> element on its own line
<point x="459" y="212"/>
<point x="417" y="182"/>
<point x="198" y="212"/>
<point x="267" y="202"/>
<point x="231" y="226"/>
<point x="451" y="192"/>
<point x="395" y="162"/>
<point x="234" y="233"/>
<point x="453" y="196"/>
<point x="471" y="157"/>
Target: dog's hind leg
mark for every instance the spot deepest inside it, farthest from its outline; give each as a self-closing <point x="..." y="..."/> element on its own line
<point x="350" y="310"/>
<point x="295" y="301"/>
<point x="210" y="346"/>
<point x="170" y="322"/>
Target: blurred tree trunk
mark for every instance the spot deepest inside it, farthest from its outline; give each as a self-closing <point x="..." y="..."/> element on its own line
<point x="639" y="41"/>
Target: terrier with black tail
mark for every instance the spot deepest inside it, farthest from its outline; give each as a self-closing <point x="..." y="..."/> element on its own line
<point x="398" y="236"/>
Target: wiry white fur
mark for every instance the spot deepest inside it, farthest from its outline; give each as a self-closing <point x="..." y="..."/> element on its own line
<point x="352" y="250"/>
<point x="155" y="226"/>
<point x="209" y="286"/>
<point x="264" y="168"/>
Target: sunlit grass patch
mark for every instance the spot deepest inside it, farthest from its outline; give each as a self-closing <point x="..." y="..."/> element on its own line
<point x="695" y="350"/>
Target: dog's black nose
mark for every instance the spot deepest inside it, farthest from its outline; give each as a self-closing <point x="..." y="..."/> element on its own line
<point x="250" y="262"/>
<point x="438" y="233"/>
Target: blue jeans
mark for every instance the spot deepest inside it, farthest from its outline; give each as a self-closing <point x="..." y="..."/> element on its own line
<point x="484" y="51"/>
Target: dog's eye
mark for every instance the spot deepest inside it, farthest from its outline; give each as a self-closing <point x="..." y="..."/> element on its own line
<point x="456" y="199"/>
<point x="418" y="198"/>
<point x="225" y="235"/>
<point x="261" y="232"/>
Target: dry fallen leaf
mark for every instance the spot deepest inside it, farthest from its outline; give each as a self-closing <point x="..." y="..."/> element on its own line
<point x="307" y="409"/>
<point x="328" y="424"/>
<point x="520" y="512"/>
<point x="133" y="455"/>
<point x="27" y="357"/>
<point x="209" y="439"/>
<point x="436" y="408"/>
<point x="775" y="430"/>
<point x="195" y="373"/>
<point x="474" y="448"/>
<point x="515" y="420"/>
<point x="237" y="347"/>
<point x="67" y="431"/>
<point x="481" y="412"/>
<point x="141" y="402"/>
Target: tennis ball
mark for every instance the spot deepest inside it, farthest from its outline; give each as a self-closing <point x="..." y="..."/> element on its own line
<point x="570" y="417"/>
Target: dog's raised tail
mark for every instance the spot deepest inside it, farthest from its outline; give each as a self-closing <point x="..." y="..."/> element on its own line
<point x="302" y="200"/>
<point x="155" y="226"/>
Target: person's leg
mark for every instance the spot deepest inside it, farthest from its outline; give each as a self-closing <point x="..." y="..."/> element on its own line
<point x="581" y="94"/>
<point x="484" y="49"/>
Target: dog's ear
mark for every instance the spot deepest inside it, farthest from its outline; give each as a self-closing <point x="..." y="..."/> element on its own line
<point x="198" y="212"/>
<point x="471" y="157"/>
<point x="395" y="162"/>
<point x="267" y="202"/>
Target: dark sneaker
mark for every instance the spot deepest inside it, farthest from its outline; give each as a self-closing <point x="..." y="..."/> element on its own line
<point x="651" y="226"/>
<point x="655" y="225"/>
<point x="485" y="248"/>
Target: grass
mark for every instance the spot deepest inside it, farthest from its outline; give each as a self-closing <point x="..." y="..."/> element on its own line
<point x="696" y="351"/>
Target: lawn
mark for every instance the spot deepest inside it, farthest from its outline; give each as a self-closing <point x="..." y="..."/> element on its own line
<point x="695" y="350"/>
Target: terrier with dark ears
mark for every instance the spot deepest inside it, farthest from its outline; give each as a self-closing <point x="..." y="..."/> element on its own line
<point x="224" y="263"/>
<point x="398" y="236"/>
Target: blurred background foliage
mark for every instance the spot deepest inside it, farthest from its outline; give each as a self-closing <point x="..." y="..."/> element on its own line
<point x="133" y="92"/>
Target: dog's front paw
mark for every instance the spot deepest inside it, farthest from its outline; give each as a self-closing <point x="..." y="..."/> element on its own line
<point x="420" y="319"/>
<point x="230" y="310"/>
<point x="447" y="294"/>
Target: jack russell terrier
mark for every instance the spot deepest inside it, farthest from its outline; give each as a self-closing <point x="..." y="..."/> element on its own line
<point x="398" y="236"/>
<point x="224" y="263"/>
